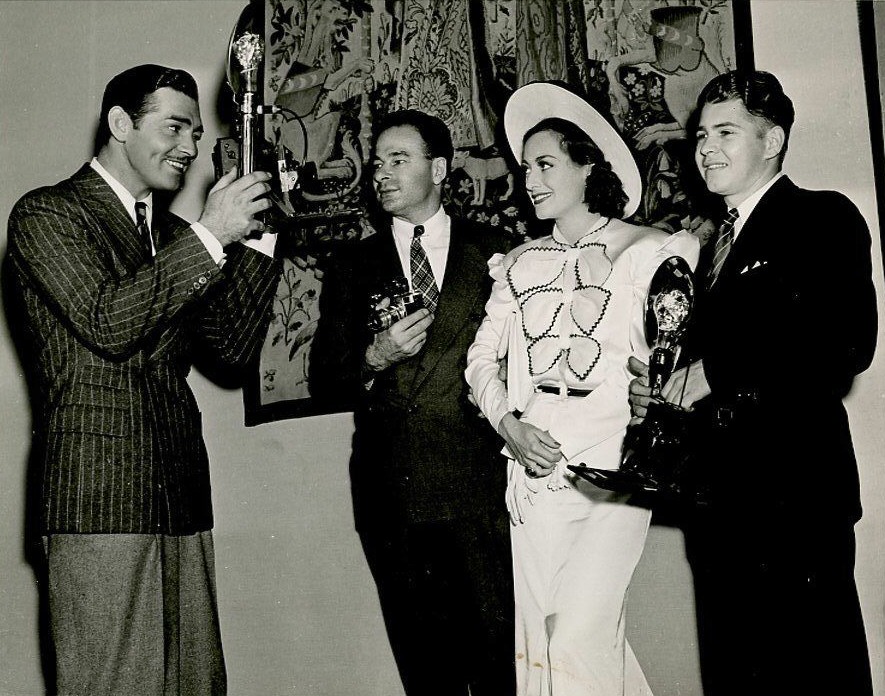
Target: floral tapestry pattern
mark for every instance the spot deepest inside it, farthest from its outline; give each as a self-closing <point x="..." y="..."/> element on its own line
<point x="335" y="66"/>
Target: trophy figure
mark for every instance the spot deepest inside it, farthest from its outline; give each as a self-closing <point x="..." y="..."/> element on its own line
<point x="248" y="50"/>
<point x="653" y="449"/>
<point x="249" y="151"/>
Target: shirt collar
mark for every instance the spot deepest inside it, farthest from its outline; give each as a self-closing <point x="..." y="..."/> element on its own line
<point x="126" y="198"/>
<point x="434" y="227"/>
<point x="750" y="203"/>
<point x="598" y="225"/>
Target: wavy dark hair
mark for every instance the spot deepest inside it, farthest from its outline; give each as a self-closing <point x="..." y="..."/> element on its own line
<point x="133" y="91"/>
<point x="761" y="94"/>
<point x="603" y="190"/>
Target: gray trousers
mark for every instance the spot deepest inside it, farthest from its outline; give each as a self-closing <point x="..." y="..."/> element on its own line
<point x="134" y="615"/>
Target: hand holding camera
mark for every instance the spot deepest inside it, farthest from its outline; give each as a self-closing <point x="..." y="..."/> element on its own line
<point x="232" y="205"/>
<point x="400" y="321"/>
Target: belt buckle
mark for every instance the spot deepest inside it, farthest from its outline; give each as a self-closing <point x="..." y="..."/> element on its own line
<point x="723" y="416"/>
<point x="572" y="392"/>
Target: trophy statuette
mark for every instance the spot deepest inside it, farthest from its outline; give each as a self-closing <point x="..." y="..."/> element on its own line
<point x="248" y="150"/>
<point x="653" y="449"/>
<point x="248" y="50"/>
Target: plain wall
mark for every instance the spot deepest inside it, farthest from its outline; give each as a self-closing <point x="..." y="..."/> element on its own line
<point x="298" y="606"/>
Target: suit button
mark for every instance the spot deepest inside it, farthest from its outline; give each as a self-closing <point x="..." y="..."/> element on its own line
<point x="196" y="285"/>
<point x="203" y="280"/>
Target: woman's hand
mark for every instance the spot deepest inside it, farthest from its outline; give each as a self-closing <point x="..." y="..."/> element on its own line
<point x="533" y="448"/>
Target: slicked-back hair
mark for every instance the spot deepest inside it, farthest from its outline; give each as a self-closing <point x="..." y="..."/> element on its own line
<point x="761" y="94"/>
<point x="133" y="89"/>
<point x="433" y="131"/>
<point x="603" y="189"/>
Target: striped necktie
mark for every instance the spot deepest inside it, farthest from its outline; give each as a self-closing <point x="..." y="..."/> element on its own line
<point x="422" y="274"/>
<point x="144" y="232"/>
<point x="723" y="245"/>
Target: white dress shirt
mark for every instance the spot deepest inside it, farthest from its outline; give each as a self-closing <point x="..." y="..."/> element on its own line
<point x="749" y="204"/>
<point x="264" y="244"/>
<point x="435" y="240"/>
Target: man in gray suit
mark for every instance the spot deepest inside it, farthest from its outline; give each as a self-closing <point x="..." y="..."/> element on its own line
<point x="427" y="478"/>
<point x="118" y="296"/>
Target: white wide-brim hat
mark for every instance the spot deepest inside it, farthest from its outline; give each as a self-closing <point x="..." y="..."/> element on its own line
<point x="532" y="103"/>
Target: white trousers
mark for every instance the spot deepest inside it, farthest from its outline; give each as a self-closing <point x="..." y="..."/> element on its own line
<point x="573" y="558"/>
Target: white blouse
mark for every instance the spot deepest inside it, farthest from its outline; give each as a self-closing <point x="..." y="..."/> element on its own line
<point x="569" y="316"/>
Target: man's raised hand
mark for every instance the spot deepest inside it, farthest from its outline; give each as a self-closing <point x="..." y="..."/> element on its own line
<point x="232" y="204"/>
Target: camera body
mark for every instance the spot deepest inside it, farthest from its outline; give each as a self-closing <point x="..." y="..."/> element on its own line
<point x="402" y="303"/>
<point x="285" y="170"/>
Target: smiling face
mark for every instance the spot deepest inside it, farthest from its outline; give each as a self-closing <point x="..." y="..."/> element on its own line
<point x="736" y="152"/>
<point x="408" y="182"/>
<point x="554" y="182"/>
<point x="155" y="153"/>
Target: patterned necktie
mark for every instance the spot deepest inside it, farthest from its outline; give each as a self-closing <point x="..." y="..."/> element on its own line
<point x="422" y="274"/>
<point x="144" y="232"/>
<point x="723" y="245"/>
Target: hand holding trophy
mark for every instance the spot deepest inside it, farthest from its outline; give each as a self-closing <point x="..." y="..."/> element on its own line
<point x="654" y="449"/>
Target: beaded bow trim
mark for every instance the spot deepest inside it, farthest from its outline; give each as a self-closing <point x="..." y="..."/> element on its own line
<point x="539" y="272"/>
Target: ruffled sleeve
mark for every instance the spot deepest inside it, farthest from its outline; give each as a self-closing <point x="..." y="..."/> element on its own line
<point x="607" y="408"/>
<point x="492" y="344"/>
<point x="681" y="243"/>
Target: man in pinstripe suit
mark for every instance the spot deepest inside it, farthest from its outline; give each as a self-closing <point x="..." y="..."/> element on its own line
<point x="116" y="305"/>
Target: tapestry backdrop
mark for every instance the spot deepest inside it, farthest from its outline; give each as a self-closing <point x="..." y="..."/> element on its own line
<point x="334" y="66"/>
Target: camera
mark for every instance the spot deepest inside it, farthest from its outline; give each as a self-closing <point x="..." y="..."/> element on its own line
<point x="403" y="302"/>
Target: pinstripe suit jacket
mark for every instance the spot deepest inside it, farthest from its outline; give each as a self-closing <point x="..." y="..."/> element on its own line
<point x="110" y="339"/>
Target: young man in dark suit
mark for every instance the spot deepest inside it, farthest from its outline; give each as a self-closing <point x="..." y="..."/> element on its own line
<point x="118" y="297"/>
<point x="788" y="318"/>
<point x="427" y="479"/>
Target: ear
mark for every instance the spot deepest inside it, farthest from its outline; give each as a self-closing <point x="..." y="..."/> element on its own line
<point x="774" y="142"/>
<point x="120" y="123"/>
<point x="438" y="170"/>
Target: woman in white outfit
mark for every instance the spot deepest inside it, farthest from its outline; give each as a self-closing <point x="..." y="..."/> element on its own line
<point x="566" y="312"/>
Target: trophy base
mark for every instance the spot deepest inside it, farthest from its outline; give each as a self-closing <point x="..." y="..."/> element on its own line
<point x="618" y="481"/>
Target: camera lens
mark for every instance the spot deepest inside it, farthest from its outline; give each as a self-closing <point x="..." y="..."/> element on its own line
<point x="385" y="318"/>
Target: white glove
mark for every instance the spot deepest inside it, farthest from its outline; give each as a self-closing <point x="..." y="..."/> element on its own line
<point x="521" y="490"/>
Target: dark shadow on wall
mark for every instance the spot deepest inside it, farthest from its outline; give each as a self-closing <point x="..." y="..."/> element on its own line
<point x="871" y="20"/>
<point x="32" y="547"/>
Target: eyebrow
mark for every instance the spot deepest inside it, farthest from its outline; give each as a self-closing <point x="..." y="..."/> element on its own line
<point x="185" y="120"/>
<point x="724" y="124"/>
<point x="395" y="153"/>
<point x="538" y="158"/>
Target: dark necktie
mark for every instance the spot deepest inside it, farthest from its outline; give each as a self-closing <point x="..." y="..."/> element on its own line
<point x="144" y="232"/>
<point x="724" y="240"/>
<point x="422" y="274"/>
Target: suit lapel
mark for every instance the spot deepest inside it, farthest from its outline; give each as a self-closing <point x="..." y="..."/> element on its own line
<point x="109" y="216"/>
<point x="383" y="266"/>
<point x="461" y="290"/>
<point x="752" y="239"/>
<point x="389" y="264"/>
